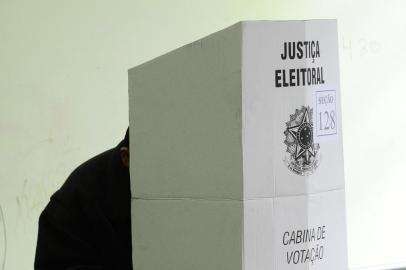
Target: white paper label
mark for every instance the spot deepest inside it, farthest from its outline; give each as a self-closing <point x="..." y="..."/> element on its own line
<point x="325" y="113"/>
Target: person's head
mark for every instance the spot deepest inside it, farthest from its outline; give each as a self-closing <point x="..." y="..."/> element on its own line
<point x="125" y="149"/>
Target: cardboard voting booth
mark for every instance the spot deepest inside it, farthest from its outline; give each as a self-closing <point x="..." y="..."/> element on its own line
<point x="236" y="151"/>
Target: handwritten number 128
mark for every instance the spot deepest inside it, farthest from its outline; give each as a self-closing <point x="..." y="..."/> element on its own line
<point x="327" y="120"/>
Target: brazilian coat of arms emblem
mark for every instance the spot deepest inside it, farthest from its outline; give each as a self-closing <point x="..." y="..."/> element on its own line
<point x="303" y="158"/>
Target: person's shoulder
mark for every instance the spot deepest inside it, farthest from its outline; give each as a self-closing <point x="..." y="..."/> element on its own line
<point x="92" y="168"/>
<point x="86" y="180"/>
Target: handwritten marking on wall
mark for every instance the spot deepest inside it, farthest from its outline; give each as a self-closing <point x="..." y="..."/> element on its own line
<point x="3" y="242"/>
<point x="361" y="47"/>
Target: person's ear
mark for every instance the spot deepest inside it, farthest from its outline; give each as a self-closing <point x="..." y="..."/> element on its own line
<point x="125" y="156"/>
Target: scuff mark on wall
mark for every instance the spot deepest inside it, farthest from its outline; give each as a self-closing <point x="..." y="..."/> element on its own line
<point x="3" y="236"/>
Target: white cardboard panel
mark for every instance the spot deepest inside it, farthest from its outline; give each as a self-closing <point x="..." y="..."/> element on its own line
<point x="328" y="209"/>
<point x="187" y="234"/>
<point x="322" y="212"/>
<point x="185" y="121"/>
<point x="267" y="109"/>
<point x="290" y="214"/>
<point x="258" y="234"/>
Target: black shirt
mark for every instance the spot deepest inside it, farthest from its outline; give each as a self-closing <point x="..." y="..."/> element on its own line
<point x="87" y="223"/>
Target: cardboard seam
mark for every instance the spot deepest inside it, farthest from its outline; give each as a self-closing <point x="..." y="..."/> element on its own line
<point x="186" y="199"/>
<point x="232" y="199"/>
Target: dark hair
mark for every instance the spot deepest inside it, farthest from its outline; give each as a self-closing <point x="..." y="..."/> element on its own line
<point x="126" y="141"/>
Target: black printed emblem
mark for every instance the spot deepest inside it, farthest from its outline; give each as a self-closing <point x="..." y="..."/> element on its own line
<point x="303" y="152"/>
